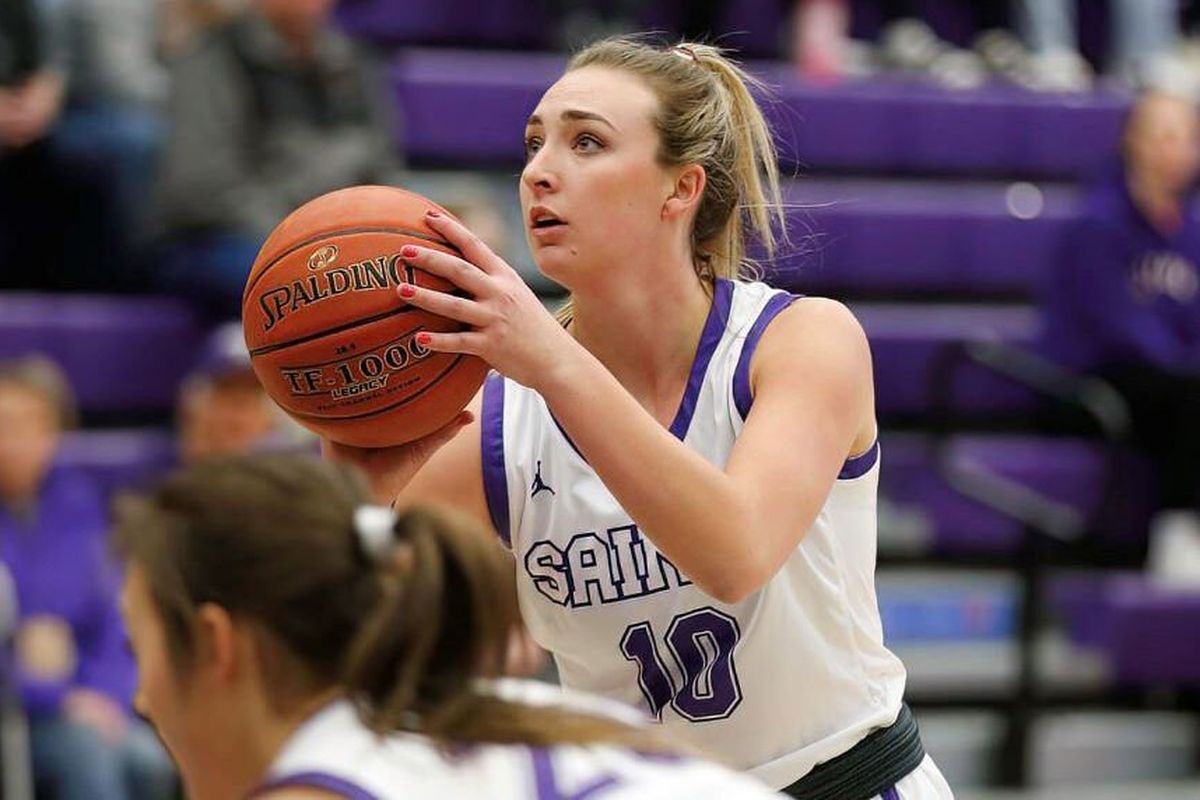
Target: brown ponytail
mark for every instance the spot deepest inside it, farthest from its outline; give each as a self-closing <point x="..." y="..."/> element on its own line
<point x="443" y="624"/>
<point x="408" y="632"/>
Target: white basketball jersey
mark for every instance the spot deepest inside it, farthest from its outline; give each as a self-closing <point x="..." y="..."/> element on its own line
<point x="334" y="751"/>
<point x="793" y="675"/>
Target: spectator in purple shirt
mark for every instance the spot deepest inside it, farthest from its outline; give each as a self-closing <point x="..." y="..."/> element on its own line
<point x="1124" y="299"/>
<point x="73" y="669"/>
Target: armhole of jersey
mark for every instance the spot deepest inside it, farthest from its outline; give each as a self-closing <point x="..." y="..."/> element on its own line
<point x="495" y="479"/>
<point x="859" y="465"/>
<point x="316" y="780"/>
<point x="743" y="398"/>
<point x="855" y="466"/>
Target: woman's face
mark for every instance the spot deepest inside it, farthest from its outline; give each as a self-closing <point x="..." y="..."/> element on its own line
<point x="29" y="435"/>
<point x="592" y="191"/>
<point x="162" y="694"/>
<point x="1163" y="142"/>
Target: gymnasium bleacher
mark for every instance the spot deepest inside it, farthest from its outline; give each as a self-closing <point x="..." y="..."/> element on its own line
<point x="934" y="214"/>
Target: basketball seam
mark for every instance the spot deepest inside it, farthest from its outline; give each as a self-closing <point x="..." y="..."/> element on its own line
<point x="271" y="348"/>
<point x="343" y="232"/>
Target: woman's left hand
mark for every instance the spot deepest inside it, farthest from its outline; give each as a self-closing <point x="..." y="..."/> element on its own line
<point x="510" y="328"/>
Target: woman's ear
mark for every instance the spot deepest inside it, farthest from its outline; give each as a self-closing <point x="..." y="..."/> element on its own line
<point x="686" y="192"/>
<point x="216" y="643"/>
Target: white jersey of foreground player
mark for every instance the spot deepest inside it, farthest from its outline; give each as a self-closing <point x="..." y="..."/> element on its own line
<point x="335" y="751"/>
<point x="792" y="676"/>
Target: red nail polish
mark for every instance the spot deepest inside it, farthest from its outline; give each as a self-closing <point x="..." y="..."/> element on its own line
<point x="424" y="339"/>
<point x="408" y="251"/>
<point x="407" y="290"/>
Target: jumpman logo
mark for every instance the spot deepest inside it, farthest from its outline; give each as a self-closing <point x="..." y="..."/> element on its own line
<point x="538" y="484"/>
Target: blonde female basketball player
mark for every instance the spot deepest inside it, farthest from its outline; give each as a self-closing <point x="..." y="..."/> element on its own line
<point x="293" y="643"/>
<point x="684" y="465"/>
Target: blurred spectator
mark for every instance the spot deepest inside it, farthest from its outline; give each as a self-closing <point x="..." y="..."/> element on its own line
<point x="80" y="96"/>
<point x="184" y="20"/>
<point x="112" y="127"/>
<point x="267" y="111"/>
<point x="1143" y="32"/>
<point x="75" y="674"/>
<point x="223" y="409"/>
<point x="32" y="84"/>
<point x="1124" y="301"/>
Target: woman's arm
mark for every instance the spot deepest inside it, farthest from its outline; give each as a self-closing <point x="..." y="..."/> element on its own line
<point x="730" y="531"/>
<point x="444" y="468"/>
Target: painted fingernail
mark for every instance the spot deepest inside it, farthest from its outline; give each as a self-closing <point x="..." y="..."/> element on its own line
<point x="433" y="212"/>
<point x="407" y="290"/>
<point x="408" y="251"/>
<point x="424" y="338"/>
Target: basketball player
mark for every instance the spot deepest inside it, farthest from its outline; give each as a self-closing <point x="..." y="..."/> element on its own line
<point x="685" y="463"/>
<point x="295" y="643"/>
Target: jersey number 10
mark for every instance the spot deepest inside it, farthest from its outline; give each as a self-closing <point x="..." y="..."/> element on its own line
<point x="701" y="643"/>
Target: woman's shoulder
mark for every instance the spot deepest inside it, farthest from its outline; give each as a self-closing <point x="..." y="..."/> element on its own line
<point x="821" y="318"/>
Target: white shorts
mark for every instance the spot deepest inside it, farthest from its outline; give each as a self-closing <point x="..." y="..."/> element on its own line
<point x="923" y="783"/>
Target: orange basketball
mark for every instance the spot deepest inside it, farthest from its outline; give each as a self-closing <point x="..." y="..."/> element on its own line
<point x="330" y="340"/>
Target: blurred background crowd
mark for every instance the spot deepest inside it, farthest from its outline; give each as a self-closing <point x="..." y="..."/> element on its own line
<point x="1002" y="190"/>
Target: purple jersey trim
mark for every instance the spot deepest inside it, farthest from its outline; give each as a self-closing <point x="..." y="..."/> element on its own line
<point x="742" y="398"/>
<point x="714" y="327"/>
<point x="547" y="789"/>
<point x="495" y="480"/>
<point x="710" y="337"/>
<point x="890" y="794"/>
<point x="316" y="780"/>
<point x="859" y="465"/>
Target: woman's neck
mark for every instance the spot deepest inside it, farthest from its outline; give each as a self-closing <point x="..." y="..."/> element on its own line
<point x="241" y="760"/>
<point x="647" y="338"/>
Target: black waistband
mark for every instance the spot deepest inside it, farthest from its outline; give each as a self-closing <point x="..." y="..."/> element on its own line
<point x="869" y="768"/>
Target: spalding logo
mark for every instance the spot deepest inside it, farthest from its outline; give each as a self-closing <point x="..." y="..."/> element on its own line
<point x="322" y="257"/>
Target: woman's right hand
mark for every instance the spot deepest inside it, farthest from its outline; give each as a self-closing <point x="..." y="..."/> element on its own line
<point x="389" y="469"/>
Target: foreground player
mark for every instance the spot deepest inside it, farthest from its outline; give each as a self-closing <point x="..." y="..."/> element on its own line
<point x="685" y="470"/>
<point x="280" y="626"/>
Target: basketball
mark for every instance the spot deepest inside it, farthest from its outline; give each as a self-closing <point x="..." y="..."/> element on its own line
<point x="329" y="338"/>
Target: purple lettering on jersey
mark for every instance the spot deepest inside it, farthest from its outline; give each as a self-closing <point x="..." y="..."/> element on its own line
<point x="702" y="643"/>
<point x="891" y="794"/>
<point x="593" y="568"/>
<point x="743" y="398"/>
<point x="637" y="645"/>
<point x="547" y="787"/>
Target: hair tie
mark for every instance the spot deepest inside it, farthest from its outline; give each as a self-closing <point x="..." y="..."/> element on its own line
<point x="685" y="51"/>
<point x="375" y="527"/>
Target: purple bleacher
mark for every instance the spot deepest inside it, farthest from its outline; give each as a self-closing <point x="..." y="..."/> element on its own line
<point x="894" y="124"/>
<point x="469" y="108"/>
<point x="1154" y="634"/>
<point x="122" y="354"/>
<point x="921" y="237"/>
<point x="1065" y="470"/>
<point x="120" y="459"/>
<point x="908" y="341"/>
<point x="1149" y="634"/>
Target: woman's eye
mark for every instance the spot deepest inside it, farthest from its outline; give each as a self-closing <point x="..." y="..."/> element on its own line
<point x="532" y="145"/>
<point x="588" y="142"/>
